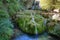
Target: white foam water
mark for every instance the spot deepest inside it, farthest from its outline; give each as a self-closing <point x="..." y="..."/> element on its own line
<point x="33" y="20"/>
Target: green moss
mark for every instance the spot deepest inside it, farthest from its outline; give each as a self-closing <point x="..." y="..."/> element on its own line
<point x="56" y="30"/>
<point x="27" y="25"/>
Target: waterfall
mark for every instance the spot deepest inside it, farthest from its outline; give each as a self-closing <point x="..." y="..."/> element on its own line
<point x="36" y="5"/>
<point x="33" y="20"/>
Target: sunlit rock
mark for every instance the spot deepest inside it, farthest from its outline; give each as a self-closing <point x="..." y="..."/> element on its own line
<point x="56" y="17"/>
<point x="56" y="10"/>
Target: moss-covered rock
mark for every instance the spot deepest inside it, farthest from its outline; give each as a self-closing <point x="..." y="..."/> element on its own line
<point x="54" y="29"/>
<point x="30" y="22"/>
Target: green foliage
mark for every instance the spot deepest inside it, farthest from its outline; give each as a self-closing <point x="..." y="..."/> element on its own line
<point x="50" y="26"/>
<point x="31" y="22"/>
<point x="6" y="30"/>
<point x="53" y="27"/>
<point x="56" y="30"/>
<point x="6" y="27"/>
<point x="3" y="14"/>
<point x="14" y="6"/>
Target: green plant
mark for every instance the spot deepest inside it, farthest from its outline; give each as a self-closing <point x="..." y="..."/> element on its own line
<point x="56" y="30"/>
<point x="14" y="6"/>
<point x="31" y="22"/>
<point x="6" y="27"/>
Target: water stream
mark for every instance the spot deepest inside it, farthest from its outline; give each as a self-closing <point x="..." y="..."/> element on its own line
<point x="33" y="20"/>
<point x="27" y="37"/>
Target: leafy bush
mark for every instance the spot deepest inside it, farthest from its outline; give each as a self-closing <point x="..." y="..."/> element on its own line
<point x="13" y="6"/>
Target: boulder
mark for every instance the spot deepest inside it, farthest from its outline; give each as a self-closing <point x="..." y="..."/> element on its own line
<point x="30" y="22"/>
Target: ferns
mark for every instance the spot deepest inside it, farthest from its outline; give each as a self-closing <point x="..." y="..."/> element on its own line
<point x="9" y="7"/>
<point x="14" y="6"/>
<point x="56" y="30"/>
<point x="6" y="28"/>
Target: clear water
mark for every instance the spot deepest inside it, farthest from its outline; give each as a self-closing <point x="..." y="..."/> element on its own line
<point x="27" y="37"/>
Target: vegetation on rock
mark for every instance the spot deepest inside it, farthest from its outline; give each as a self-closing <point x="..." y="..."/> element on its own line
<point x="31" y="22"/>
<point x="56" y="30"/>
<point x="28" y="21"/>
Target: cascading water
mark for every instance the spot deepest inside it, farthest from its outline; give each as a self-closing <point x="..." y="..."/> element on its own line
<point x="36" y="22"/>
<point x="33" y="20"/>
<point x="36" y="5"/>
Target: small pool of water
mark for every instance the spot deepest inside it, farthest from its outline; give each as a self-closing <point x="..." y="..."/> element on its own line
<point x="25" y="37"/>
<point x="36" y="37"/>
